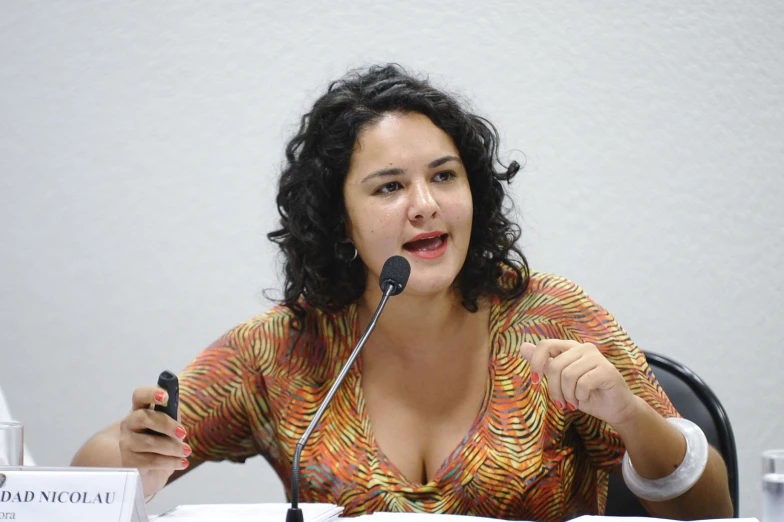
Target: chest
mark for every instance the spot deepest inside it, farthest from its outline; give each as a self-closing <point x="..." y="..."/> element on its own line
<point x="418" y="419"/>
<point x="499" y="459"/>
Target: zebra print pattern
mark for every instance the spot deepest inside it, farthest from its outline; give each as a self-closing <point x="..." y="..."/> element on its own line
<point x="254" y="391"/>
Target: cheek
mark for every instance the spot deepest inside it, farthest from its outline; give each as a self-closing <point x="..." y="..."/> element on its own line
<point x="462" y="213"/>
<point x="462" y="218"/>
<point x="371" y="224"/>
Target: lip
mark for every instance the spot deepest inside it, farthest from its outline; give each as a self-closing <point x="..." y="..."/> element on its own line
<point x="426" y="235"/>
<point x="430" y="254"/>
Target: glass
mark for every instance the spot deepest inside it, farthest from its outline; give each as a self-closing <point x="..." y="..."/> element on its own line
<point x="773" y="486"/>
<point x="11" y="444"/>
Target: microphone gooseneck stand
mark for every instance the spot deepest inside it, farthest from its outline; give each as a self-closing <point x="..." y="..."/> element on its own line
<point x="294" y="513"/>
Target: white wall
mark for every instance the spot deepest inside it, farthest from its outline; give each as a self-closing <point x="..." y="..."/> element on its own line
<point x="140" y="141"/>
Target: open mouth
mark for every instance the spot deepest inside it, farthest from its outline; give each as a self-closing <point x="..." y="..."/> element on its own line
<point x="428" y="248"/>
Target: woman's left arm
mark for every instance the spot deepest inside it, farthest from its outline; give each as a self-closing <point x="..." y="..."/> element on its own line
<point x="656" y="449"/>
<point x="580" y="377"/>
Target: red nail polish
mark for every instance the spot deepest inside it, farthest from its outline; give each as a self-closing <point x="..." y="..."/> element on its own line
<point x="558" y="405"/>
<point x="185" y="463"/>
<point x="571" y="406"/>
<point x="535" y="378"/>
<point x="159" y="396"/>
<point x="187" y="450"/>
<point x="179" y="432"/>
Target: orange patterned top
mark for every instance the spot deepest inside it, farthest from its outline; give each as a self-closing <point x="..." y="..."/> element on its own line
<point x="254" y="391"/>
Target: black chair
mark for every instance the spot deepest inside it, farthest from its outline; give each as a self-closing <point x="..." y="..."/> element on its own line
<point x="695" y="401"/>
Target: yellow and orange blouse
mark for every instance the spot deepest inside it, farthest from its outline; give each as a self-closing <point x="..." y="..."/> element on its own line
<point x="254" y="391"/>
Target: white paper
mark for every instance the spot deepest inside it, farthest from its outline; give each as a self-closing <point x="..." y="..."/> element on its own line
<point x="249" y="512"/>
<point x="328" y="512"/>
<point x="596" y="518"/>
<point x="382" y="516"/>
<point x="427" y="517"/>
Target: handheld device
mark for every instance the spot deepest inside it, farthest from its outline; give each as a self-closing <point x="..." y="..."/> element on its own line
<point x="168" y="382"/>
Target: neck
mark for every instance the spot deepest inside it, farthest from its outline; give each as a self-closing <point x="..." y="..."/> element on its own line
<point x="419" y="326"/>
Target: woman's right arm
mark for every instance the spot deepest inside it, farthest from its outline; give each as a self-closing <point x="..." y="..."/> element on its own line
<point x="223" y="396"/>
<point x="131" y="443"/>
<point x="102" y="450"/>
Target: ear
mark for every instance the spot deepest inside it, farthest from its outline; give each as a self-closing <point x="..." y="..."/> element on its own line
<point x="348" y="229"/>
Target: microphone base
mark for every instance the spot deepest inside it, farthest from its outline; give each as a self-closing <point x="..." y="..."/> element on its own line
<point x="294" y="515"/>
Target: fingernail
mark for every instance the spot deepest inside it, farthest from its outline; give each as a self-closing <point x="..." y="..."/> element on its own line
<point x="187" y="450"/>
<point x="535" y="378"/>
<point x="159" y="396"/>
<point x="571" y="406"/>
<point x="558" y="405"/>
<point x="185" y="463"/>
<point x="179" y="432"/>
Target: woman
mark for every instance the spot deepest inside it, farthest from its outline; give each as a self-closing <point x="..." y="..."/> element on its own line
<point x="486" y="388"/>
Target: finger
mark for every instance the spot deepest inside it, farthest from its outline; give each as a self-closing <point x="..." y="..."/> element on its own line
<point x="157" y="421"/>
<point x="155" y="444"/>
<point x="154" y="461"/>
<point x="590" y="381"/>
<point x="546" y="350"/>
<point x="143" y="397"/>
<point x="553" y="371"/>
<point x="527" y="351"/>
<point x="571" y="374"/>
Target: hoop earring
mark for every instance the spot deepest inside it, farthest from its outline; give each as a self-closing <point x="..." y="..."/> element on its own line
<point x="340" y="251"/>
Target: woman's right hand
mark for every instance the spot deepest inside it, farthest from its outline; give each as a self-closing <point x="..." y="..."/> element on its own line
<point x="157" y="455"/>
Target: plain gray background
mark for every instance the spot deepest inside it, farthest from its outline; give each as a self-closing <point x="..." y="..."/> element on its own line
<point x="140" y="144"/>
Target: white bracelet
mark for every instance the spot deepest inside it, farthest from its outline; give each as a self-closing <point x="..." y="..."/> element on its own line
<point x="683" y="478"/>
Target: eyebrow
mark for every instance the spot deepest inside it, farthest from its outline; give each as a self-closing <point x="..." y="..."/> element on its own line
<point x="397" y="171"/>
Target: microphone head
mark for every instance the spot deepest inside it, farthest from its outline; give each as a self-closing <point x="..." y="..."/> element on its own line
<point x="395" y="272"/>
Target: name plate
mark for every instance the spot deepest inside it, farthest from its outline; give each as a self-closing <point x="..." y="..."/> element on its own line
<point x="33" y="494"/>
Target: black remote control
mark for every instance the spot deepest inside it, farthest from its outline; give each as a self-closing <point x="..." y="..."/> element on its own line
<point x="168" y="382"/>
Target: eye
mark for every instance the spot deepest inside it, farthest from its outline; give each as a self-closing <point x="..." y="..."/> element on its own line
<point x="444" y="176"/>
<point x="388" y="188"/>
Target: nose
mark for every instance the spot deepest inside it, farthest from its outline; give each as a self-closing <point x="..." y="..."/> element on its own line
<point x="422" y="203"/>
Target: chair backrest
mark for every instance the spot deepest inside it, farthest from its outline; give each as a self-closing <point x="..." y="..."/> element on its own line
<point x="695" y="401"/>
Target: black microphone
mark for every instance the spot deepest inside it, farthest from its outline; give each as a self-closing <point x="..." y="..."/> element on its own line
<point x="394" y="277"/>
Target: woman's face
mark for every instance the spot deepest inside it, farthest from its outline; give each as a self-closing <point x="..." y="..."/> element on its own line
<point x="407" y="193"/>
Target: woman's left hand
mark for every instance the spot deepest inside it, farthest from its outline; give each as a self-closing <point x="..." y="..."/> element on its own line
<point x="580" y="377"/>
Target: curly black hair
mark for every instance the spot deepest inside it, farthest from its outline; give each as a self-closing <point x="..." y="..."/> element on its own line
<point x="318" y="266"/>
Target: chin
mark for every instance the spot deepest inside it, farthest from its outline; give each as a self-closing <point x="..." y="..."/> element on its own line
<point x="423" y="285"/>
